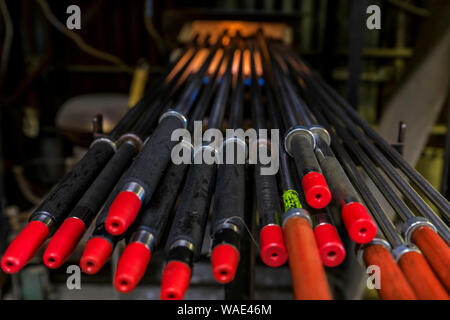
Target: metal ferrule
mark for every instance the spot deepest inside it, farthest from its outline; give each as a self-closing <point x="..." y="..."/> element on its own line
<point x="399" y="251"/>
<point x="182" y="243"/>
<point x="225" y="233"/>
<point x="131" y="138"/>
<point x="46" y="218"/>
<point x="296" y="212"/>
<point x="320" y="219"/>
<point x="107" y="140"/>
<point x="270" y="224"/>
<point x="176" y="114"/>
<point x="75" y="217"/>
<point x="238" y="142"/>
<point x="298" y="131"/>
<point x="321" y="224"/>
<point x="361" y="247"/>
<point x="412" y="224"/>
<point x="227" y="225"/>
<point x="144" y="237"/>
<point x="135" y="188"/>
<point x="321" y="133"/>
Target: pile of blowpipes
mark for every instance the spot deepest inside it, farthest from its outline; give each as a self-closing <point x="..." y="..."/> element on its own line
<point x="329" y="163"/>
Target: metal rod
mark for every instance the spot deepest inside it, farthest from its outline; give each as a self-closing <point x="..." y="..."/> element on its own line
<point x="140" y="181"/>
<point x="357" y="220"/>
<point x="420" y="277"/>
<point x="228" y="214"/>
<point x="350" y="167"/>
<point x="299" y="237"/>
<point x="188" y="228"/>
<point x="420" y="182"/>
<point x="411" y="195"/>
<point x="329" y="97"/>
<point x="299" y="141"/>
<point x="273" y="250"/>
<point x="184" y="104"/>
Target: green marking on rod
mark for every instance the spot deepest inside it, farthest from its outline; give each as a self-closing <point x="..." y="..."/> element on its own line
<point x="291" y="200"/>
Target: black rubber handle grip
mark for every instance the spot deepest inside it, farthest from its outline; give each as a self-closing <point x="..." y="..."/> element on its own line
<point x="229" y="198"/>
<point x="61" y="199"/>
<point x="304" y="157"/>
<point x="152" y="161"/>
<point x="267" y="198"/>
<point x="154" y="218"/>
<point x="95" y="196"/>
<point x="190" y="219"/>
<point x="100" y="230"/>
<point x="341" y="188"/>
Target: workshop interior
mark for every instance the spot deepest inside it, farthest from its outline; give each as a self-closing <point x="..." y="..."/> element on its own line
<point x="345" y="108"/>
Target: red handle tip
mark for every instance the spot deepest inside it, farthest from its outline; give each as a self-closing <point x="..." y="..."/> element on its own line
<point x="131" y="267"/>
<point x="224" y="260"/>
<point x="359" y="224"/>
<point x="175" y="280"/>
<point x="63" y="242"/>
<point x="24" y="246"/>
<point x="95" y="254"/>
<point x="331" y="249"/>
<point x="317" y="193"/>
<point x="122" y="212"/>
<point x="273" y="250"/>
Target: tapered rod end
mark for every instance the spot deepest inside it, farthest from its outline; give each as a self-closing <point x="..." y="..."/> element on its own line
<point x="63" y="242"/>
<point x="24" y="246"/>
<point x="317" y="193"/>
<point x="131" y="267"/>
<point x="273" y="250"/>
<point x="175" y="280"/>
<point x="331" y="249"/>
<point x="97" y="251"/>
<point x="122" y="212"/>
<point x="359" y="224"/>
<point x="224" y="260"/>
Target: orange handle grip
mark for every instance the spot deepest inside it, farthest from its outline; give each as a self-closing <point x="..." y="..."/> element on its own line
<point x="435" y="251"/>
<point x="308" y="275"/>
<point x="421" y="277"/>
<point x="393" y="284"/>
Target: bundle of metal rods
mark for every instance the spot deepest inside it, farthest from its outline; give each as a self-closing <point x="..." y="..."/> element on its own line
<point x="335" y="174"/>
